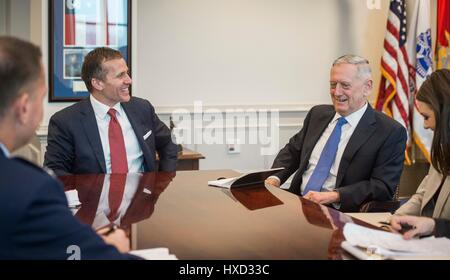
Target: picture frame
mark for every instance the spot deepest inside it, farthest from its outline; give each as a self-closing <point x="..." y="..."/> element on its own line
<point x="75" y="28"/>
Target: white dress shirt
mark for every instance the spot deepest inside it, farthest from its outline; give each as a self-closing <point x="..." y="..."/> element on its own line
<point x="135" y="157"/>
<point x="347" y="131"/>
<point x="4" y="150"/>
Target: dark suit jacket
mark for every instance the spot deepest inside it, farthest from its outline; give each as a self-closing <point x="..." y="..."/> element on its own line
<point x="442" y="228"/>
<point x="74" y="145"/>
<point x="35" y="220"/>
<point x="370" y="167"/>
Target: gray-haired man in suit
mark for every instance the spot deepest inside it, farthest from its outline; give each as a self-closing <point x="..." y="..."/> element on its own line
<point x="347" y="153"/>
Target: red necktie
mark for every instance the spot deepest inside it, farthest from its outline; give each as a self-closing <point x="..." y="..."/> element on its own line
<point x="116" y="189"/>
<point x="117" y="150"/>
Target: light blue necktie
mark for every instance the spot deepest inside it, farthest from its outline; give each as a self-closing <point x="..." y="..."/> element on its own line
<point x="322" y="170"/>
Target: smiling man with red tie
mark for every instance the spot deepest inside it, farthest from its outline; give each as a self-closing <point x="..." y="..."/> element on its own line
<point x="109" y="132"/>
<point x="35" y="220"/>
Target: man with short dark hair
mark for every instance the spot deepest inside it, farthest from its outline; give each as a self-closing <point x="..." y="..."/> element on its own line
<point x="109" y="132"/>
<point x="346" y="154"/>
<point x="35" y="220"/>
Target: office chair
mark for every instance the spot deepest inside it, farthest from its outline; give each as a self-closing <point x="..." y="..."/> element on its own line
<point x="384" y="206"/>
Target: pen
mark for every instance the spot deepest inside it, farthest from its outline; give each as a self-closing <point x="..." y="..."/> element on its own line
<point x="404" y="227"/>
<point x="111" y="229"/>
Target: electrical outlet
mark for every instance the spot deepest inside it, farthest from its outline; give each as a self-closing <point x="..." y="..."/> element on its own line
<point x="234" y="148"/>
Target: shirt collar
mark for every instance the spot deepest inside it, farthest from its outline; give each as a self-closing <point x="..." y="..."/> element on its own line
<point x="4" y="150"/>
<point x="101" y="110"/>
<point x="354" y="118"/>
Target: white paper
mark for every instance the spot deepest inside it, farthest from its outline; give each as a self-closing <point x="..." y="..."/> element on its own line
<point x="223" y="183"/>
<point x="392" y="245"/>
<point x="72" y="199"/>
<point x="154" y="254"/>
<point x="228" y="182"/>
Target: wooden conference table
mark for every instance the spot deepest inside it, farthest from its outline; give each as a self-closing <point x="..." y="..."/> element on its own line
<point x="196" y="221"/>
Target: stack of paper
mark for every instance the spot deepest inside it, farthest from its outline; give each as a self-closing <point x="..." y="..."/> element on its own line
<point x="154" y="254"/>
<point x="366" y="243"/>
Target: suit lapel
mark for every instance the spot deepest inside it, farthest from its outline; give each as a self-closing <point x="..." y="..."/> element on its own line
<point x="89" y="124"/>
<point x="138" y="126"/>
<point x="442" y="198"/>
<point x="316" y="130"/>
<point x="432" y="186"/>
<point x="365" y="128"/>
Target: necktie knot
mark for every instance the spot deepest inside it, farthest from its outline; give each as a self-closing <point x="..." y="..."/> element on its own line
<point x="341" y="121"/>
<point x="112" y="113"/>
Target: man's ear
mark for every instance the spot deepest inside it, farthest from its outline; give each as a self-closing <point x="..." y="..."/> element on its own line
<point x="368" y="86"/>
<point x="21" y="108"/>
<point x="97" y="84"/>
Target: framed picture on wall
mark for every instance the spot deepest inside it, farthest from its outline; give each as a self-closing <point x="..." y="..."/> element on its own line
<point x="75" y="28"/>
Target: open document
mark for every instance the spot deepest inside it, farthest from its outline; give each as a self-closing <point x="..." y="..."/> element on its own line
<point x="253" y="178"/>
<point x="366" y="243"/>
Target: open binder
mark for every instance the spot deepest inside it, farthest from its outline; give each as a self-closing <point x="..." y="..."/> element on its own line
<point x="248" y="179"/>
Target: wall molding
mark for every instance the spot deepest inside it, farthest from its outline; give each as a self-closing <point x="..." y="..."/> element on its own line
<point x="43" y="129"/>
<point x="291" y="118"/>
<point x="282" y="108"/>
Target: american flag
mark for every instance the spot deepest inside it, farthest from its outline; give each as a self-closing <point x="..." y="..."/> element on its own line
<point x="393" y="96"/>
<point x="87" y="22"/>
<point x="69" y="23"/>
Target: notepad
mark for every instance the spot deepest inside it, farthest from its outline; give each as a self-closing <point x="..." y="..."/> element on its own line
<point x="248" y="179"/>
<point x="154" y="254"/>
<point x="366" y="243"/>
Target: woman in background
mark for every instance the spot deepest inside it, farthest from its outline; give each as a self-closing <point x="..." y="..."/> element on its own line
<point x="432" y="196"/>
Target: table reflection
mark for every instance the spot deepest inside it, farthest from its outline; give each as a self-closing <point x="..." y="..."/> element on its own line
<point x="121" y="199"/>
<point x="323" y="216"/>
<point x="326" y="217"/>
<point x="254" y="197"/>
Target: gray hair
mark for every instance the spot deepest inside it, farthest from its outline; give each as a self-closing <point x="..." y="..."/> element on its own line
<point x="361" y="63"/>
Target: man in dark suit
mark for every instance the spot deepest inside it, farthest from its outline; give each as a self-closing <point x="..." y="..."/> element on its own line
<point x="109" y="132"/>
<point x="345" y="154"/>
<point x="35" y="220"/>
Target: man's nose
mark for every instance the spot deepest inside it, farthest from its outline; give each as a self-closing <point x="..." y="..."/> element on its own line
<point x="128" y="80"/>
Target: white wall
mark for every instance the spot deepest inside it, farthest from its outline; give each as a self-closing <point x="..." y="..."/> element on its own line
<point x="14" y="18"/>
<point x="226" y="52"/>
<point x="19" y="17"/>
<point x="3" y="18"/>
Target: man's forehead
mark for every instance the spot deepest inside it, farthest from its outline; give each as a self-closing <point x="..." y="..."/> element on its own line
<point x="116" y="65"/>
<point x="344" y="71"/>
